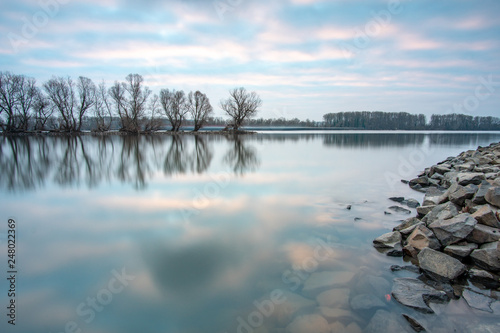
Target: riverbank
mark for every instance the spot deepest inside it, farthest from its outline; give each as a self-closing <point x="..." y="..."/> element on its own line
<point x="454" y="239"/>
<point x="121" y="133"/>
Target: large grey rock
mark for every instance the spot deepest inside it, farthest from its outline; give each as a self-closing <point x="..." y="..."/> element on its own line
<point x="466" y="178"/>
<point x="488" y="259"/>
<point x="493" y="196"/>
<point x="479" y="198"/>
<point x="334" y="298"/>
<point x="424" y="210"/>
<point x="388" y="240"/>
<point x="321" y="281"/>
<point x="293" y="303"/>
<point x="468" y="166"/>
<point x="441" y="168"/>
<point x="421" y="238"/>
<point x="417" y="327"/>
<point x="308" y="323"/>
<point x="453" y="230"/>
<point x="412" y="203"/>
<point x="483" y="234"/>
<point x="366" y="302"/>
<point x="366" y="283"/>
<point x="442" y="211"/>
<point x="487" y="169"/>
<point x="487" y="279"/>
<point x="485" y="215"/>
<point x="440" y="266"/>
<point x="477" y="301"/>
<point x="458" y="194"/>
<point x="406" y="224"/>
<point x="460" y="252"/>
<point x="434" y="196"/>
<point x="422" y="181"/>
<point x="416" y="294"/>
<point x="334" y="314"/>
<point x="386" y="322"/>
<point x="399" y="209"/>
<point x="409" y="230"/>
<point x="449" y="178"/>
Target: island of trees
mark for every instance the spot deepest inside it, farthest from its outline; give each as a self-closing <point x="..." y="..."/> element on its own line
<point x="65" y="105"/>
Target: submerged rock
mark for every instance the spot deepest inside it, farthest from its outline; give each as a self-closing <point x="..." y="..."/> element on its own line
<point x="440" y="266"/>
<point x="334" y="298"/>
<point x="385" y="322"/>
<point x="416" y="294"/>
<point x="308" y="323"/>
<point x="477" y="301"/>
<point x="399" y="209"/>
<point x="417" y="327"/>
<point x="320" y="281"/>
<point x="366" y="302"/>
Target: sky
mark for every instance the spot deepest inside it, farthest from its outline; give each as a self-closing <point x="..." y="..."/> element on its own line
<point x="304" y="58"/>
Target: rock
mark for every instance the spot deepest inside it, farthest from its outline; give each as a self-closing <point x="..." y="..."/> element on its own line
<point x="334" y="298"/>
<point x="397" y="199"/>
<point x="417" y="327"/>
<point x="487" y="169"/>
<point x="409" y="268"/>
<point x="485" y="215"/>
<point x="319" y="281"/>
<point x="366" y="283"/>
<point x="487" y="279"/>
<point x="441" y="169"/>
<point x="334" y="314"/>
<point x="479" y="198"/>
<point x="416" y="294"/>
<point x="422" y="181"/>
<point x="488" y="259"/>
<point x="434" y="196"/>
<point x="406" y="224"/>
<point x="388" y="240"/>
<point x="422" y="237"/>
<point x="457" y="193"/>
<point x="399" y="209"/>
<point x="366" y="302"/>
<point x="476" y="300"/>
<point x="442" y="211"/>
<point x="493" y="196"/>
<point x="337" y="327"/>
<point x="351" y="328"/>
<point x="440" y="266"/>
<point x="469" y="166"/>
<point x="308" y="323"/>
<point x="349" y="207"/>
<point x="284" y="312"/>
<point x="409" y="230"/>
<point x="460" y="252"/>
<point x="412" y="203"/>
<point x="397" y="251"/>
<point x="385" y="322"/>
<point x="466" y="178"/>
<point x="483" y="234"/>
<point x="449" y="179"/>
<point x="453" y="230"/>
<point x="424" y="210"/>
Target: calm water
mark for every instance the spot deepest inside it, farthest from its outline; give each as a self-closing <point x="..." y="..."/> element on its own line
<point x="207" y="233"/>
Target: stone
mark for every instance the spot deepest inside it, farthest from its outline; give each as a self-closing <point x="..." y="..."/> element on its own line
<point x="399" y="209"/>
<point x="493" y="196"/>
<point x="308" y="323"/>
<point x="421" y="238"/>
<point x="466" y="178"/>
<point x="406" y="224"/>
<point x="477" y="301"/>
<point x="397" y="199"/>
<point x="488" y="259"/>
<point x="440" y="266"/>
<point x="483" y="234"/>
<point x="449" y="179"/>
<point x="417" y="327"/>
<point x="334" y="314"/>
<point x="469" y="166"/>
<point x="386" y="322"/>
<point x="409" y="230"/>
<point x="351" y="328"/>
<point x="388" y="240"/>
<point x="424" y="210"/>
<point x="412" y="203"/>
<point x="441" y="168"/>
<point x="422" y="181"/>
<point x="487" y="279"/>
<point x="434" y="196"/>
<point x="487" y="169"/>
<point x="442" y="211"/>
<point x="458" y="194"/>
<point x="416" y="294"/>
<point x="485" y="215"/>
<point x="366" y="302"/>
<point x="453" y="230"/>
<point x="337" y="327"/>
<point x="409" y="268"/>
<point x="396" y="251"/>
<point x="334" y="298"/>
<point x="319" y="281"/>
<point x="460" y="252"/>
<point x="283" y="313"/>
<point x="366" y="283"/>
<point x="479" y="198"/>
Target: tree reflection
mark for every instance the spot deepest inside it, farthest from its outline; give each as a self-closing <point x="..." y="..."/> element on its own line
<point x="241" y="158"/>
<point x="202" y="155"/>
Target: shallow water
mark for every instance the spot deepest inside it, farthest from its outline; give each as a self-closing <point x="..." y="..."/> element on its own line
<point x="211" y="234"/>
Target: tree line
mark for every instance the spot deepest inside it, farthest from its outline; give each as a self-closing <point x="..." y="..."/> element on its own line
<point x="66" y="105"/>
<point x="405" y="121"/>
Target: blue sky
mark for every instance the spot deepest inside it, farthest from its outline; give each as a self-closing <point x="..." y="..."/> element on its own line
<point x="304" y="58"/>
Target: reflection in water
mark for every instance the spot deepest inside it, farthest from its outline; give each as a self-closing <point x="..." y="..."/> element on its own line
<point x="241" y="158"/>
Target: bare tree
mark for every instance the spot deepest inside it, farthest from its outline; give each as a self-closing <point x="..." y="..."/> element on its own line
<point x="86" y="98"/>
<point x="200" y="109"/>
<point x="26" y="97"/>
<point x="153" y="121"/>
<point x="9" y="87"/>
<point x="240" y="105"/>
<point x="174" y="106"/>
<point x="42" y="109"/>
<point x="102" y="109"/>
<point x="61" y="93"/>
<point x="130" y="99"/>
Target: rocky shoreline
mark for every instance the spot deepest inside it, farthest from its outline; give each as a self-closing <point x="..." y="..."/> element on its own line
<point x="454" y="239"/>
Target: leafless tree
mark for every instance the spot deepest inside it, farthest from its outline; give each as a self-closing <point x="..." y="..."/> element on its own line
<point x="26" y="98"/>
<point x="174" y="106"/>
<point x="86" y="98"/>
<point x="240" y="105"/>
<point x="102" y="109"/>
<point x="153" y="121"/>
<point x="17" y="95"/>
<point x="200" y="109"/>
<point x="130" y="99"/>
<point x="42" y="109"/>
<point x="61" y="93"/>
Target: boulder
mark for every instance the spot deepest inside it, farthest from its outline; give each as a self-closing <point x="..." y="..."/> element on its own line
<point x="488" y="259"/>
<point x="397" y="199"/>
<point x="366" y="302"/>
<point x="483" y="234"/>
<point x="477" y="301"/>
<point x="407" y="223"/>
<point x="449" y="178"/>
<point x="422" y="181"/>
<point x="442" y="211"/>
<point x="479" y="197"/>
<point x="440" y="266"/>
<point x="416" y="294"/>
<point x="453" y="230"/>
<point x="399" y="209"/>
<point x="469" y="166"/>
<point x="386" y="322"/>
<point x="421" y="238"/>
<point x="308" y="323"/>
<point x="493" y="196"/>
<point x="417" y="327"/>
<point x="412" y="203"/>
<point x="466" y="178"/>
<point x="334" y="298"/>
<point x="460" y="252"/>
<point x="409" y="230"/>
<point x="284" y="312"/>
<point x="424" y="210"/>
<point x="320" y="281"/>
<point x="485" y="215"/>
<point x="458" y="194"/>
<point x="441" y="168"/>
<point x="335" y="314"/>
<point x="487" y="279"/>
<point x="388" y="240"/>
<point x="434" y="196"/>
